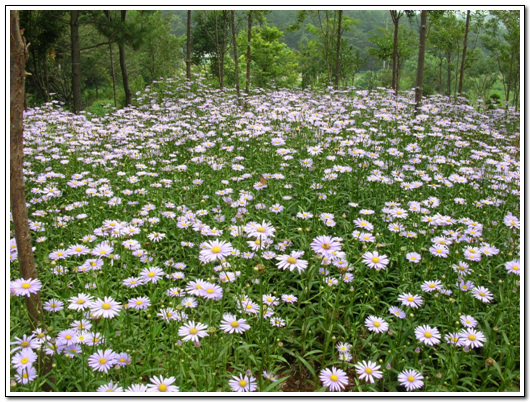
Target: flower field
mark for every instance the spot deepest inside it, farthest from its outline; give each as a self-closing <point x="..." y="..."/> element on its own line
<point x="304" y="241"/>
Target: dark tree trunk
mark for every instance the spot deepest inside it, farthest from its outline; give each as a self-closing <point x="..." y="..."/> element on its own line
<point x="234" y="44"/>
<point x="395" y="54"/>
<point x="28" y="270"/>
<point x="461" y="80"/>
<point x="123" y="65"/>
<point x="448" y="57"/>
<point x="421" y="59"/>
<point x="249" y="39"/>
<point x="218" y="52"/>
<point x="337" y="60"/>
<point x="188" y="47"/>
<point x="76" y="59"/>
<point x="223" y="48"/>
<point x="112" y="73"/>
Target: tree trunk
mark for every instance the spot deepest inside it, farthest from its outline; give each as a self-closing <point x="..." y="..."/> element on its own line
<point x="76" y="59"/>
<point x="234" y="44"/>
<point x="395" y="62"/>
<point x="337" y="60"/>
<point x="448" y="57"/>
<point x="113" y="74"/>
<point x="461" y="80"/>
<point x="188" y="48"/>
<point x="249" y="39"/>
<point x="223" y="48"/>
<point x="28" y="270"/>
<point x="421" y="59"/>
<point x="123" y="65"/>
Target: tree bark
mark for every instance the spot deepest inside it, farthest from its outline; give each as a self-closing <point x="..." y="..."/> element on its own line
<point x="337" y="60"/>
<point x="395" y="56"/>
<point x="461" y="80"/>
<point x="249" y="39"/>
<point x="28" y="270"/>
<point x="123" y="65"/>
<point x="421" y="59"/>
<point x="188" y="47"/>
<point x="76" y="60"/>
<point x="234" y="44"/>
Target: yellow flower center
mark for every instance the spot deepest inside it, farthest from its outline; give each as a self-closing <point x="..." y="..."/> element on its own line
<point x="102" y="360"/>
<point x="427" y="335"/>
<point x="410" y="378"/>
<point x="242" y="383"/>
<point x="103" y="252"/>
<point x="234" y="324"/>
<point x="376" y="324"/>
<point x="109" y="390"/>
<point x="24" y="360"/>
<point x="368" y="370"/>
<point x="375" y="259"/>
<point x="24" y="344"/>
<point x="151" y="274"/>
<point x="210" y="290"/>
<point x="138" y="302"/>
<point x="59" y="254"/>
<point x="326" y="246"/>
<point x="333" y="377"/>
<point x="291" y="260"/>
<point x="464" y="286"/>
<point x="261" y="229"/>
<point x="133" y="282"/>
<point x="471" y="337"/>
<point x="68" y="336"/>
<point x="193" y="331"/>
<point x="162" y="387"/>
<point x="249" y="306"/>
<point x="410" y="298"/>
<point x="26" y="285"/>
<point x="105" y="306"/>
<point x="78" y="249"/>
<point x="25" y="375"/>
<point x="482" y="294"/>
<point x="80" y="301"/>
<point x="216" y="249"/>
<point x="462" y="268"/>
<point x="432" y="285"/>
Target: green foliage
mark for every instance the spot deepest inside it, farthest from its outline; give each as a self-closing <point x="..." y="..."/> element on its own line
<point x="273" y="64"/>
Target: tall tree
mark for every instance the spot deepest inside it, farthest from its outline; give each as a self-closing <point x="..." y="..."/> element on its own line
<point x="76" y="60"/>
<point x="396" y="16"/>
<point x="28" y="270"/>
<point x="112" y="72"/>
<point x="421" y="59"/>
<point x="123" y="64"/>
<point x="249" y="40"/>
<point x="188" y="47"/>
<point x="234" y="45"/>
<point x="337" y="59"/>
<point x="462" y="66"/>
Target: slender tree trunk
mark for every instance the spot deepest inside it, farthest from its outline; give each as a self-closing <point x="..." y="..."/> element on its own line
<point x="123" y="65"/>
<point x="76" y="60"/>
<point x="188" y="47"/>
<point x="218" y="51"/>
<point x="234" y="44"/>
<point x="223" y="47"/>
<point x="448" y="57"/>
<point x="113" y="74"/>
<point x="461" y="80"/>
<point x="421" y="59"/>
<point x="395" y="56"/>
<point x="249" y="40"/>
<point x="337" y="60"/>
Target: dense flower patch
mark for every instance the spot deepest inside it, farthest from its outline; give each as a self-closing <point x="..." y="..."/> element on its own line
<point x="304" y="241"/>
